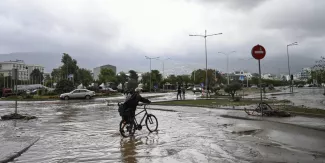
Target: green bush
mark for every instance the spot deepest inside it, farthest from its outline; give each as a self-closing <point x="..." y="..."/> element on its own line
<point x="237" y="99"/>
<point x="232" y="89"/>
<point x="64" y="86"/>
<point x="50" y="93"/>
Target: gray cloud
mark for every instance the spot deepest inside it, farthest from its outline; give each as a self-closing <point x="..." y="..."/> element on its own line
<point x="105" y="32"/>
<point x="235" y="4"/>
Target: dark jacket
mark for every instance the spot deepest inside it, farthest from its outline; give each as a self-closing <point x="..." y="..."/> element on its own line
<point x="179" y="90"/>
<point x="134" y="100"/>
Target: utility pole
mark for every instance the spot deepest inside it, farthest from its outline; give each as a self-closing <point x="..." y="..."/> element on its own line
<point x="292" y="44"/>
<point x="227" y="54"/>
<point x="163" y="73"/>
<point x="206" y="57"/>
<point x="150" y="58"/>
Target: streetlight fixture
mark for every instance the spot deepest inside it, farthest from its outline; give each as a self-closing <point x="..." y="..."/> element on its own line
<point x="163" y="73"/>
<point x="206" y="57"/>
<point x="227" y="54"/>
<point x="292" y="44"/>
<point x="150" y="58"/>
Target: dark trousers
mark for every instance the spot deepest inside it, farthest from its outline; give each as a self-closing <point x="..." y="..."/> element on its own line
<point x="184" y="95"/>
<point x="180" y="95"/>
<point x="129" y="115"/>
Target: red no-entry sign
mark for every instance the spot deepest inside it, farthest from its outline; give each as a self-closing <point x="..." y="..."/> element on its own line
<point x="258" y="52"/>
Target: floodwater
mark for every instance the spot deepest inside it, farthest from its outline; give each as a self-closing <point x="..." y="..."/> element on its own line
<point x="87" y="131"/>
<point x="309" y="97"/>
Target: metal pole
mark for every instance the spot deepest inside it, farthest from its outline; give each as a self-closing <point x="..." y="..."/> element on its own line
<point x="227" y="68"/>
<point x="247" y="80"/>
<point x="16" y="75"/>
<point x="260" y="81"/>
<point x="289" y="66"/>
<point x="163" y="76"/>
<point x="150" y="76"/>
<point x="206" y="64"/>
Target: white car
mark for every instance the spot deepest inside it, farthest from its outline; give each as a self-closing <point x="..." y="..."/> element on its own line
<point x="78" y="93"/>
<point x="111" y="90"/>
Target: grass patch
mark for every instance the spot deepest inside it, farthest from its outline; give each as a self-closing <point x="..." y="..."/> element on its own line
<point x="300" y="110"/>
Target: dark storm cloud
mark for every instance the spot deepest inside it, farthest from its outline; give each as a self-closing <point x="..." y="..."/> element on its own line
<point x="304" y="18"/>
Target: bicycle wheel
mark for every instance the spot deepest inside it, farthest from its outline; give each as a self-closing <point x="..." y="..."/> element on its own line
<point x="151" y="123"/>
<point x="126" y="128"/>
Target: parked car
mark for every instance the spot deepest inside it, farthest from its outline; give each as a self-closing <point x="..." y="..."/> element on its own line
<point x="197" y="89"/>
<point x="111" y="90"/>
<point x="78" y="93"/>
<point x="300" y="86"/>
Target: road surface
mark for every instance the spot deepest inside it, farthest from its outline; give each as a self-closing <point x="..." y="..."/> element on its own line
<point x="87" y="131"/>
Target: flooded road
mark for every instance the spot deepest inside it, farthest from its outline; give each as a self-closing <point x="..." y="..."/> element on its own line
<point x="309" y="97"/>
<point x="88" y="132"/>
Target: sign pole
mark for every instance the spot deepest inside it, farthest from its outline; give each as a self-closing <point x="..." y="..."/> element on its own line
<point x="16" y="76"/>
<point x="260" y="81"/>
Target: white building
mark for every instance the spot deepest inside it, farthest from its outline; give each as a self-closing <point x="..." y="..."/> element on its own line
<point x="305" y="73"/>
<point x="269" y="76"/>
<point x="285" y="77"/>
<point x="236" y="74"/>
<point x="24" y="70"/>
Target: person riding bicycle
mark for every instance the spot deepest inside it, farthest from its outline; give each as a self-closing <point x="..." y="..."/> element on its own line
<point x="131" y="104"/>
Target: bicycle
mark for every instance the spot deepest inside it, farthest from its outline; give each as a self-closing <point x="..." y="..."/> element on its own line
<point x="128" y="127"/>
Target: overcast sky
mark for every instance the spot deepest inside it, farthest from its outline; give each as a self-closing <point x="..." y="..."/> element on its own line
<point x="123" y="32"/>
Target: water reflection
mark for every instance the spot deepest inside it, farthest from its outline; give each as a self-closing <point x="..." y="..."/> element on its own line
<point x="128" y="150"/>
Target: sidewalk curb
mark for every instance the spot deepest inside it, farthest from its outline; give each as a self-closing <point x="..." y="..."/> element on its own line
<point x="18" y="153"/>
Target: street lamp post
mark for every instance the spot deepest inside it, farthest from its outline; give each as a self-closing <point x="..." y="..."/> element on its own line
<point x="150" y="58"/>
<point x="227" y="54"/>
<point x="206" y="57"/>
<point x="292" y="44"/>
<point x="163" y="62"/>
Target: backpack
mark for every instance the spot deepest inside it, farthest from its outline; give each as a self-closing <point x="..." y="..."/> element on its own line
<point x="121" y="109"/>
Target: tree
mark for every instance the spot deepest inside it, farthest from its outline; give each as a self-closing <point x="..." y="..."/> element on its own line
<point x="146" y="80"/>
<point x="69" y="67"/>
<point x="156" y="78"/>
<point x="85" y="77"/>
<point x="220" y="78"/>
<point x="2" y="84"/>
<point x="64" y="86"/>
<point x="132" y="84"/>
<point x="56" y="74"/>
<point x="106" y="75"/>
<point x="232" y="89"/>
<point x="133" y="75"/>
<point x="36" y="76"/>
<point x="201" y="74"/>
<point x="122" y="78"/>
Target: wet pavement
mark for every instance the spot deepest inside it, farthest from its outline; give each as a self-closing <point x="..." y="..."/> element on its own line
<point x="87" y="131"/>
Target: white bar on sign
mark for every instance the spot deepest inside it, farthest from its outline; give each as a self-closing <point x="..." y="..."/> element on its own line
<point x="259" y="52"/>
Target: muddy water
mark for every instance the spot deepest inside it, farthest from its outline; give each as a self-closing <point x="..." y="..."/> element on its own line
<point x="88" y="132"/>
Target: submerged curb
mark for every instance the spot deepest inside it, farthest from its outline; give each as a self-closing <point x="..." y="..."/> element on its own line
<point x="14" y="155"/>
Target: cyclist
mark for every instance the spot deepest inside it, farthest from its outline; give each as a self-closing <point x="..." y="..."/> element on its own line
<point x="131" y="104"/>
